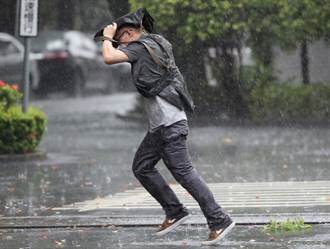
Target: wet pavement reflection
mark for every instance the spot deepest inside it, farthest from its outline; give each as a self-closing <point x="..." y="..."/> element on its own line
<point x="90" y="151"/>
<point x="251" y="237"/>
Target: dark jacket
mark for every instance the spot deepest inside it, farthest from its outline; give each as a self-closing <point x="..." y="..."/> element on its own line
<point x="171" y="79"/>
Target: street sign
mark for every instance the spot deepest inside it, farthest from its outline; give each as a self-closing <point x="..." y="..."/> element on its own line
<point x="28" y="28"/>
<point x="29" y="18"/>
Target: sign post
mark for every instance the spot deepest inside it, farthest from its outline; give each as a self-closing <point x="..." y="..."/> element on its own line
<point x="28" y="28"/>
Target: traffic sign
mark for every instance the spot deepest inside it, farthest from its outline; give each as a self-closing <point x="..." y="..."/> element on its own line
<point x="29" y="18"/>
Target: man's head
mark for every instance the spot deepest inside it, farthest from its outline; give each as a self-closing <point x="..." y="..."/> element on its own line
<point x="132" y="21"/>
<point x="127" y="34"/>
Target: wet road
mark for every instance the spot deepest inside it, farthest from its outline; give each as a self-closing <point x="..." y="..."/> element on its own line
<point x="251" y="237"/>
<point x="90" y="153"/>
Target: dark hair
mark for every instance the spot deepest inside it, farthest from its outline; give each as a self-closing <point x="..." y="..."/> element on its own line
<point x="128" y="25"/>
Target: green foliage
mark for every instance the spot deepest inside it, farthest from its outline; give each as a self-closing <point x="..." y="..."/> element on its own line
<point x="261" y="25"/>
<point x="21" y="132"/>
<point x="196" y="19"/>
<point x="289" y="225"/>
<point x="264" y="22"/>
<point x="286" y="103"/>
<point x="9" y="95"/>
<point x="304" y="19"/>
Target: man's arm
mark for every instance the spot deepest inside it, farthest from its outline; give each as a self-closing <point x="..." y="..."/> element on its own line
<point x="112" y="55"/>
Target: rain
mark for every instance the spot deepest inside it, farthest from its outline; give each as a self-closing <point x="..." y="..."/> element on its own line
<point x="259" y="135"/>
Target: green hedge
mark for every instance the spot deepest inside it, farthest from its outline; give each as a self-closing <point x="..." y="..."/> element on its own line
<point x="290" y="103"/>
<point x="21" y="132"/>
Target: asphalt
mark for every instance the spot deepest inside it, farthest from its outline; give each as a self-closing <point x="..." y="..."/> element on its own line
<point x="280" y="173"/>
<point x="144" y="237"/>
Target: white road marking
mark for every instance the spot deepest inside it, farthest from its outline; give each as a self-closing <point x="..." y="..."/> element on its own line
<point x="229" y="195"/>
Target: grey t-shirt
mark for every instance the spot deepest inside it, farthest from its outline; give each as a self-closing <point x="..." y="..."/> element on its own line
<point x="144" y="69"/>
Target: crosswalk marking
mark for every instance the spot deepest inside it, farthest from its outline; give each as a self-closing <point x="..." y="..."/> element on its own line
<point x="229" y="195"/>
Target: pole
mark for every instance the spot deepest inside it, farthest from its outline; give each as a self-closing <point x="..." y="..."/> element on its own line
<point x="17" y="17"/>
<point x="26" y="78"/>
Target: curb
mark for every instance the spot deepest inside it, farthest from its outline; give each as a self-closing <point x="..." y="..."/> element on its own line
<point x="145" y="220"/>
<point x="38" y="155"/>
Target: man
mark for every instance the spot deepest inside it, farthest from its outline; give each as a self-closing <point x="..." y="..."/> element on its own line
<point x="158" y="79"/>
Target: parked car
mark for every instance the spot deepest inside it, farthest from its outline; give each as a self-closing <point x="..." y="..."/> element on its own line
<point x="68" y="60"/>
<point x="11" y="62"/>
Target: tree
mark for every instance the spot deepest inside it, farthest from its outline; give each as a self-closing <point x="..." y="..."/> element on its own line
<point x="92" y="15"/>
<point x="83" y="15"/>
<point x="303" y="22"/>
<point x="197" y="26"/>
<point x="7" y="16"/>
<point x="228" y="24"/>
<point x="261" y="26"/>
<point x="118" y="7"/>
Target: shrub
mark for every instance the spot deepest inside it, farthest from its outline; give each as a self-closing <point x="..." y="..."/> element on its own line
<point x="9" y="95"/>
<point x="290" y="103"/>
<point x="19" y="132"/>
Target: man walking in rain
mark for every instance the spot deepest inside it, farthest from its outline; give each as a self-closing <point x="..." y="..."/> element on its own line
<point x="158" y="79"/>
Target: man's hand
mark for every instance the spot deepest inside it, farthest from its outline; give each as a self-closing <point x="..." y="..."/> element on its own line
<point x="110" y="54"/>
<point x="110" y="30"/>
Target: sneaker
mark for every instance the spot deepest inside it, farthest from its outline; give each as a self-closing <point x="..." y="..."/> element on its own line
<point x="216" y="235"/>
<point x="169" y="224"/>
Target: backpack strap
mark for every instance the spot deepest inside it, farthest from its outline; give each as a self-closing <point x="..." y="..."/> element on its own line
<point x="154" y="56"/>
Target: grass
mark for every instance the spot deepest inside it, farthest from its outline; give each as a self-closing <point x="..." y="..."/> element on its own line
<point x="289" y="225"/>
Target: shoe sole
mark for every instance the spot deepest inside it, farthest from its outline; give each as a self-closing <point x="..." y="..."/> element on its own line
<point x="175" y="225"/>
<point x="221" y="236"/>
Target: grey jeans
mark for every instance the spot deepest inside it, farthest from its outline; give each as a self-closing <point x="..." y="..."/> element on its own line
<point x="169" y="144"/>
